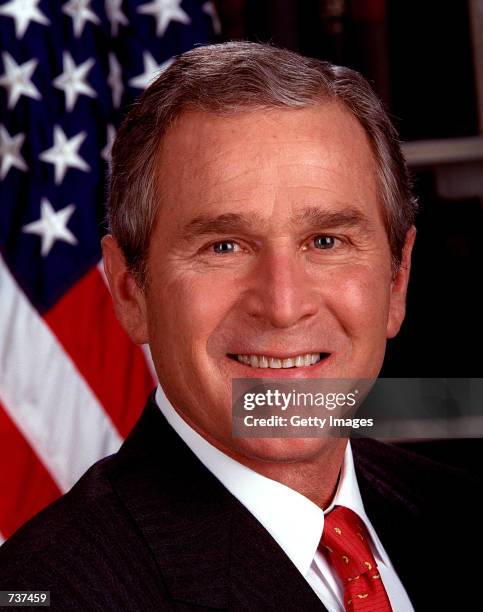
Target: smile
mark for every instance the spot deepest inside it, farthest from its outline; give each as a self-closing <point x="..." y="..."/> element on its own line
<point x="262" y="361"/>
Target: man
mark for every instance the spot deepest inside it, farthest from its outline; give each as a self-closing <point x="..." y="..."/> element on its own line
<point x="262" y="226"/>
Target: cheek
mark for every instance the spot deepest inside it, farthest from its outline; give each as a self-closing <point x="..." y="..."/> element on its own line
<point x="185" y="311"/>
<point x="360" y="301"/>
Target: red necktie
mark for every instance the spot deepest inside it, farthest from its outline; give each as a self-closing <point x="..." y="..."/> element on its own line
<point x="345" y="545"/>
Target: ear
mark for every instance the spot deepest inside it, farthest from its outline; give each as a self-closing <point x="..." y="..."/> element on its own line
<point x="128" y="298"/>
<point x="399" y="285"/>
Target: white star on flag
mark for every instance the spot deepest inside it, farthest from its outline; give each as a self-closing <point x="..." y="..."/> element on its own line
<point x="115" y="15"/>
<point x="111" y="135"/>
<point x="64" y="154"/>
<point x="164" y="11"/>
<point x="51" y="226"/>
<point x="151" y="70"/>
<point x="81" y="13"/>
<point x="114" y="80"/>
<point x="23" y="12"/>
<point x="10" y="152"/>
<point x="73" y="80"/>
<point x="210" y="9"/>
<point x="16" y="79"/>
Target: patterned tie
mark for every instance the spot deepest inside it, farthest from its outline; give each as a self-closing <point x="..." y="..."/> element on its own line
<point x="345" y="545"/>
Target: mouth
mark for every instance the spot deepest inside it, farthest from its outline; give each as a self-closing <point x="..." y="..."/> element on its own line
<point x="280" y="362"/>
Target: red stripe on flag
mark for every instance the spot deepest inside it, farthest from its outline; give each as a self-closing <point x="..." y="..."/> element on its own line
<point x="25" y="485"/>
<point x="115" y="369"/>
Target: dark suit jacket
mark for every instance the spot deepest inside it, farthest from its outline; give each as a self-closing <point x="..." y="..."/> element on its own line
<point x="150" y="528"/>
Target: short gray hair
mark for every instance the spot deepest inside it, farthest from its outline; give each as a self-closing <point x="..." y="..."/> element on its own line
<point x="234" y="77"/>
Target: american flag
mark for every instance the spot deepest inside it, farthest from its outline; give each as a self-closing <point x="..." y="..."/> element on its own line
<point x="71" y="383"/>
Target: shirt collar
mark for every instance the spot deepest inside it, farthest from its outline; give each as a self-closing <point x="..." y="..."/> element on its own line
<point x="295" y="522"/>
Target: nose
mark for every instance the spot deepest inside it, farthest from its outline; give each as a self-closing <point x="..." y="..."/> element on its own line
<point x="281" y="292"/>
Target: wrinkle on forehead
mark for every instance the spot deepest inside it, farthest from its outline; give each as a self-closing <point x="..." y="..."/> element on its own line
<point x="208" y="137"/>
<point x="302" y="156"/>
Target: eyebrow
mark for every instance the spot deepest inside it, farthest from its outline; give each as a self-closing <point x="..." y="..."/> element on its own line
<point x="349" y="216"/>
<point x="311" y="217"/>
<point x="221" y="224"/>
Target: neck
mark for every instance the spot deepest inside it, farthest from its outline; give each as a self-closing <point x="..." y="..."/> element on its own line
<point x="316" y="478"/>
<point x="315" y="475"/>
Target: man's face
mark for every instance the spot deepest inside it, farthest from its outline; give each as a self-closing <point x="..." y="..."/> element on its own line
<point x="269" y="242"/>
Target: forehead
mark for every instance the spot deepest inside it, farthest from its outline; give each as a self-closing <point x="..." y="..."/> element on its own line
<point x="265" y="162"/>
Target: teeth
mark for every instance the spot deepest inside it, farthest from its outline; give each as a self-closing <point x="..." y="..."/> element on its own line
<point x="260" y="361"/>
<point x="275" y="363"/>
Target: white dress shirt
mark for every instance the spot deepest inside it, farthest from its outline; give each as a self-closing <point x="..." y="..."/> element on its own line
<point x="294" y="522"/>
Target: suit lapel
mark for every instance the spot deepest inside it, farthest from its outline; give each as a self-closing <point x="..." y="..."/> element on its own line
<point x="393" y="512"/>
<point x="210" y="550"/>
<point x="405" y="497"/>
<point x="260" y="569"/>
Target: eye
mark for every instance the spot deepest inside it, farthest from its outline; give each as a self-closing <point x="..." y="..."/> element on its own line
<point x="224" y="246"/>
<point x="324" y="242"/>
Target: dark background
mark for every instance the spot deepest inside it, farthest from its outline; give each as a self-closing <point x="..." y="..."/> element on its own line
<point x="419" y="57"/>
